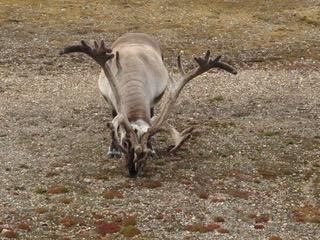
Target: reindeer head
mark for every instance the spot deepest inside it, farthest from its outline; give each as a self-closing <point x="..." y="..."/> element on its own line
<point x="131" y="139"/>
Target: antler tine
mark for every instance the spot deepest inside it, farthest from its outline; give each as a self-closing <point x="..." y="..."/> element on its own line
<point x="102" y="45"/>
<point x="178" y="137"/>
<point x="96" y="45"/>
<point x="181" y="71"/>
<point x="226" y="67"/>
<point x="118" y="63"/>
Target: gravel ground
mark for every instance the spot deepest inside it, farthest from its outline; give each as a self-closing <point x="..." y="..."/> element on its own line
<point x="250" y="170"/>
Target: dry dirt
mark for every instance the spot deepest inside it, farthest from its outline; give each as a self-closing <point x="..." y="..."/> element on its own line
<point x="251" y="169"/>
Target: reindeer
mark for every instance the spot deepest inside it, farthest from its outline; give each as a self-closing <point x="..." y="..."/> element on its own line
<point x="133" y="80"/>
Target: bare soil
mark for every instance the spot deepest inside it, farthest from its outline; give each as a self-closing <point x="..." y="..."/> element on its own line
<point x="251" y="169"/>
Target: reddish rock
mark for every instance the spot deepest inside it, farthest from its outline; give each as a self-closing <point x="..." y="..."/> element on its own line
<point x="9" y="233"/>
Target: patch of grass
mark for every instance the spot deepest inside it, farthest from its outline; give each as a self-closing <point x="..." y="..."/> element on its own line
<point x="218" y="219"/>
<point x="103" y="176"/>
<point x="160" y="162"/>
<point x="269" y="133"/>
<point x="41" y="210"/>
<point x="130" y="231"/>
<point x="217" y="98"/>
<point x="290" y="142"/>
<point x="41" y="190"/>
<point x="219" y="153"/>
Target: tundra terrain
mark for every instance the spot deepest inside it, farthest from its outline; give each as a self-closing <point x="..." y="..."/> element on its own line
<point x="251" y="169"/>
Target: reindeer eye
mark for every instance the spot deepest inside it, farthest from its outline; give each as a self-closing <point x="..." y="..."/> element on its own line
<point x="136" y="131"/>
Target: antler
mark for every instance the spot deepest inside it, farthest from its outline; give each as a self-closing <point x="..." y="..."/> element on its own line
<point x="99" y="53"/>
<point x="204" y="64"/>
<point x="102" y="55"/>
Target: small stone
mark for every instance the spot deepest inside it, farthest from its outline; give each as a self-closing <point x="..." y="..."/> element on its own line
<point x="275" y="237"/>
<point x="259" y="226"/>
<point x="87" y="180"/>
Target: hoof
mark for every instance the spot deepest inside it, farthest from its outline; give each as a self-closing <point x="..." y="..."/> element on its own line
<point x="153" y="153"/>
<point x="113" y="153"/>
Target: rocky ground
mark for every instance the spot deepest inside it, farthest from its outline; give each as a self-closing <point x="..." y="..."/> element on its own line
<point x="251" y="169"/>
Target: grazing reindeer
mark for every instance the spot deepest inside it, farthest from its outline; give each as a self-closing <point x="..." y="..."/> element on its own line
<point x="133" y="79"/>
